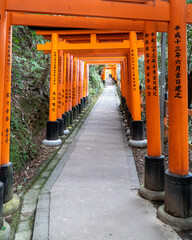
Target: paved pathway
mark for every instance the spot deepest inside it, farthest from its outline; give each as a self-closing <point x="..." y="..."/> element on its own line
<point x="95" y="196"/>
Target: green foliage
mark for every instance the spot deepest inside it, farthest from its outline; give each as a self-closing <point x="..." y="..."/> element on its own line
<point x="28" y="63"/>
<point x="141" y="71"/>
<point x="22" y="146"/>
<point x="30" y="91"/>
<point x="95" y="81"/>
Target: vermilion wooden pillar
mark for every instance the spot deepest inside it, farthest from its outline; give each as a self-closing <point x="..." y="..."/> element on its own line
<point x="126" y="83"/>
<point x="6" y="173"/>
<point x="77" y="88"/>
<point x="3" y="22"/>
<point x="154" y="161"/>
<point x="53" y="124"/>
<point x="122" y="88"/>
<point x="60" y="93"/>
<point x="137" y="127"/>
<point x="80" y="86"/>
<point x="178" y="179"/>
<point x="64" y="115"/>
<point x="127" y="91"/>
<point x="74" y="92"/>
<point x="3" y="42"/>
<point x="85" y="84"/>
<point x="67" y="75"/>
<point x="71" y="88"/>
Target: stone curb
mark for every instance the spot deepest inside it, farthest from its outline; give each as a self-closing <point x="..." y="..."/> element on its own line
<point x="41" y="225"/>
<point x="151" y="195"/>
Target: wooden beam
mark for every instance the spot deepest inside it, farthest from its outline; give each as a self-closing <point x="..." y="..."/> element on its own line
<point x="93" y="8"/>
<point x="129" y="1"/>
<point x="85" y="58"/>
<point x="108" y="53"/>
<point x="103" y="62"/>
<point x="79" y="32"/>
<point x="81" y="22"/>
<point x="89" y="46"/>
<point x="85" y="37"/>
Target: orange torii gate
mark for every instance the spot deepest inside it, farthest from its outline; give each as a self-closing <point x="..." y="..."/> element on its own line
<point x="113" y="69"/>
<point x="139" y="135"/>
<point x="174" y="15"/>
<point x="94" y="46"/>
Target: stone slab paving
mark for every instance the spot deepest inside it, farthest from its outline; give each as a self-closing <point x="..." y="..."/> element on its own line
<point x="95" y="196"/>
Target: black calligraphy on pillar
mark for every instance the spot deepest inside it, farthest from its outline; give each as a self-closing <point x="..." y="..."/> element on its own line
<point x="59" y="97"/>
<point x="63" y="88"/>
<point x="147" y="65"/>
<point x="154" y="64"/>
<point x="54" y="97"/>
<point x="54" y="102"/>
<point x="84" y="86"/>
<point x="70" y="79"/>
<point x="77" y="82"/>
<point x="127" y="72"/>
<point x="67" y="80"/>
<point x="133" y="70"/>
<point x="177" y="42"/>
<point x="74" y="78"/>
<point x="6" y="133"/>
<point x="79" y="89"/>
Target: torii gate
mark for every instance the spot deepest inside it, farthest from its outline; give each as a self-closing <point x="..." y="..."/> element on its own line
<point x="93" y="46"/>
<point x="176" y="13"/>
<point x="113" y="70"/>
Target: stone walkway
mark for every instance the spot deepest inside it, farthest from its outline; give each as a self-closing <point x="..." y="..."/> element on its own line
<point x="95" y="196"/>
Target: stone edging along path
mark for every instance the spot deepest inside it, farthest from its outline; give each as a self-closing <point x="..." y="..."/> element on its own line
<point x="41" y="227"/>
<point x="31" y="199"/>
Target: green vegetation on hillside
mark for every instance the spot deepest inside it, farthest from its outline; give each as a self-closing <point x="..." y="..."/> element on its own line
<point x="30" y="94"/>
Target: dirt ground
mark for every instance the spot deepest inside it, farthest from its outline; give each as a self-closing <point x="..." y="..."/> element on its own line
<point x="139" y="156"/>
<point x="30" y="170"/>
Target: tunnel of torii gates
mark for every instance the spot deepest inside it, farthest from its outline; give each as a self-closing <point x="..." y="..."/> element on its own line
<point x="117" y="17"/>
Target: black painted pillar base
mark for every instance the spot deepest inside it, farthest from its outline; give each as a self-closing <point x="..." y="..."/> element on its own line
<point x="137" y="130"/>
<point x="6" y="177"/>
<point x="80" y="108"/>
<point x="84" y="100"/>
<point x="123" y="104"/>
<point x="77" y="106"/>
<point x="64" y="116"/>
<point x="1" y="203"/>
<point x="71" y="117"/>
<point x="74" y="109"/>
<point x="52" y="130"/>
<point x="82" y="103"/>
<point x="153" y="187"/>
<point x="127" y="113"/>
<point x="177" y="210"/>
<point x="137" y="134"/>
<point x="178" y="195"/>
<point x="154" y="173"/>
<point x="61" y="126"/>
<point x="129" y="120"/>
<point x="67" y="119"/>
<point x="52" y="135"/>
